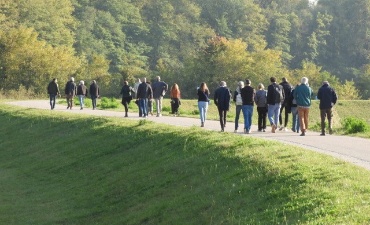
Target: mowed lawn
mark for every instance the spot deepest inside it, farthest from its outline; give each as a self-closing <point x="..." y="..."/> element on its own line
<point x="59" y="168"/>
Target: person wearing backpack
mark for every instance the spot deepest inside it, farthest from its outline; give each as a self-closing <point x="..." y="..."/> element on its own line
<point x="82" y="93"/>
<point x="261" y="102"/>
<point x="287" y="88"/>
<point x="275" y="98"/>
<point x="126" y="93"/>
<point x="238" y="103"/>
<point x="70" y="91"/>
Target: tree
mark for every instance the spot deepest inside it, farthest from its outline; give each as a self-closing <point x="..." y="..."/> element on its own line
<point x="52" y="19"/>
<point x="31" y="63"/>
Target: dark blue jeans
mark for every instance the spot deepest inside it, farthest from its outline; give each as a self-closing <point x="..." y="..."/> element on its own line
<point x="143" y="105"/>
<point x="93" y="101"/>
<point x="52" y="100"/>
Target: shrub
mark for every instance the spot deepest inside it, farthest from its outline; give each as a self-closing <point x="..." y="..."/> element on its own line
<point x="353" y="125"/>
<point x="108" y="103"/>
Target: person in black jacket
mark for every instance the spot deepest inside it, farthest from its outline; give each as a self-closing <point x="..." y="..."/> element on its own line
<point x="274" y="99"/>
<point x="144" y="92"/>
<point x="248" y="93"/>
<point x="126" y="93"/>
<point x="53" y="91"/>
<point x="222" y="99"/>
<point x="94" y="93"/>
<point x="81" y="93"/>
<point x="70" y="91"/>
<point x="328" y="98"/>
<point x="287" y="88"/>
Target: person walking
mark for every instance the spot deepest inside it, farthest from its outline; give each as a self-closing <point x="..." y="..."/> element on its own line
<point x="248" y="94"/>
<point x="159" y="90"/>
<point x="203" y="101"/>
<point x="287" y="88"/>
<point x="261" y="102"/>
<point x="126" y="93"/>
<point x="70" y="91"/>
<point x="150" y="102"/>
<point x="136" y="86"/>
<point x="144" y="92"/>
<point x="328" y="98"/>
<point x="294" y="109"/>
<point x="302" y="94"/>
<point x="238" y="104"/>
<point x="222" y="98"/>
<point x="53" y="91"/>
<point x="82" y="93"/>
<point x="274" y="99"/>
<point x="94" y="93"/>
<point x="175" y="95"/>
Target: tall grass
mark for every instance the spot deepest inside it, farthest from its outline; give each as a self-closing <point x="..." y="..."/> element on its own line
<point x="58" y="168"/>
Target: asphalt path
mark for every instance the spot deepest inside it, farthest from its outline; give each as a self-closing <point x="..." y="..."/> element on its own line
<point x="351" y="149"/>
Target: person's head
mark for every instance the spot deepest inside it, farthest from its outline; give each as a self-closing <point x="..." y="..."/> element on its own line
<point x="261" y="86"/>
<point x="325" y="82"/>
<point x="241" y="84"/>
<point x="158" y="78"/>
<point x="175" y="86"/>
<point x="223" y="84"/>
<point x="304" y="80"/>
<point x="55" y="80"/>
<point x="272" y="79"/>
<point x="125" y="82"/>
<point x="284" y="79"/>
<point x="203" y="86"/>
<point x="72" y="79"/>
<point x="82" y="82"/>
<point x="138" y="80"/>
<point x="94" y="81"/>
<point x="248" y="82"/>
<point x="143" y="80"/>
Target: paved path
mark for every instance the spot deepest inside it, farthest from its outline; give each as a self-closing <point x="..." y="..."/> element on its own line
<point x="350" y="149"/>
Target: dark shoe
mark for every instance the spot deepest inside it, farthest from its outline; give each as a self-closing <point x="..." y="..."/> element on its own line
<point x="330" y="131"/>
<point x="322" y="134"/>
<point x="303" y="134"/>
<point x="202" y="124"/>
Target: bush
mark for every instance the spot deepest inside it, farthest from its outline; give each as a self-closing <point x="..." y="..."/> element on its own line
<point x="353" y="125"/>
<point x="108" y="103"/>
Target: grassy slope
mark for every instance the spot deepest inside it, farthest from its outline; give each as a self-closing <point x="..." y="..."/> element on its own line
<point x="59" y="168"/>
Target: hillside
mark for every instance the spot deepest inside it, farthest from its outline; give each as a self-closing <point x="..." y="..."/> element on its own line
<point x="59" y="168"/>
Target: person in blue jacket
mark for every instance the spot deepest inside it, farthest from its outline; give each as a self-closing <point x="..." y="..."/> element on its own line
<point x="222" y="99"/>
<point x="328" y="98"/>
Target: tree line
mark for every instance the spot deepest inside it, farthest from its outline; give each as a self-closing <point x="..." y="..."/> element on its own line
<point x="185" y="41"/>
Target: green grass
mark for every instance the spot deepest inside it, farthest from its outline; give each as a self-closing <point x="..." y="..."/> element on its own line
<point x="59" y="168"/>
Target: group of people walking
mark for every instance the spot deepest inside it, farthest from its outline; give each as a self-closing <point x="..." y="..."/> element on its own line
<point x="271" y="103"/>
<point x="146" y="93"/>
<point x="71" y="90"/>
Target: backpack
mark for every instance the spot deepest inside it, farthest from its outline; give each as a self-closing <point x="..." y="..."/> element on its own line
<point x="239" y="100"/>
<point x="278" y="94"/>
